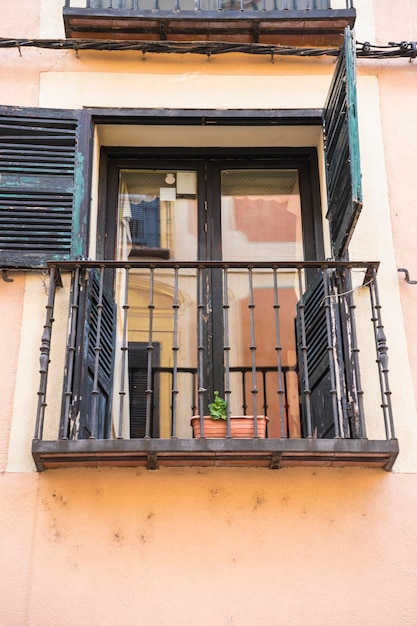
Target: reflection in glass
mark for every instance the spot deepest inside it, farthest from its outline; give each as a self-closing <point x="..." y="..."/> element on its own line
<point x="157" y="214"/>
<point x="261" y="215"/>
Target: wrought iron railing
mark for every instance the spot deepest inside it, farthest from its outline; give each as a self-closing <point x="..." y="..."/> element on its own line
<point x="213" y="5"/>
<point x="281" y="339"/>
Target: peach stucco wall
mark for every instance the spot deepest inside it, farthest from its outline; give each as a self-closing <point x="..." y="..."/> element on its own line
<point x="294" y="547"/>
<point x="397" y="82"/>
<point x="11" y="310"/>
<point x="209" y="548"/>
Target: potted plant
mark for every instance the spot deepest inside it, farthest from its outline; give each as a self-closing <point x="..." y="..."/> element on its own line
<point x="215" y="424"/>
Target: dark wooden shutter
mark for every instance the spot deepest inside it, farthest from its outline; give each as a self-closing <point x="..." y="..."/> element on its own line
<point x="340" y="121"/>
<point x="94" y="336"/>
<point x="42" y="186"/>
<point x="145" y="223"/>
<point x="138" y="376"/>
<point x="327" y="370"/>
<point x="314" y="370"/>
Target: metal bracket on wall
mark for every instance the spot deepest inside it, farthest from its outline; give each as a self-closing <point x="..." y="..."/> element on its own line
<point x="5" y="276"/>
<point x="407" y="276"/>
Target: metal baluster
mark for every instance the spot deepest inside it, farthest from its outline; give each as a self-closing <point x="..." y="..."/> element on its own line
<point x="330" y="327"/>
<point x="124" y="350"/>
<point x="382" y="359"/>
<point x="45" y="351"/>
<point x="308" y="7"/>
<point x="87" y="5"/>
<point x="175" y="348"/>
<point x="355" y="357"/>
<point x="252" y="348"/>
<point x="244" y="405"/>
<point x="149" y="350"/>
<point x="97" y="349"/>
<point x="287" y="426"/>
<point x="70" y="355"/>
<point x="135" y="5"/>
<point x="265" y="403"/>
<point x="200" y="347"/>
<point x="194" y="389"/>
<point x="226" y="349"/>
<point x="306" y="391"/>
<point x="278" y="349"/>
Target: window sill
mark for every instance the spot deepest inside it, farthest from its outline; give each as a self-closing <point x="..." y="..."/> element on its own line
<point x="268" y="453"/>
<point x="140" y="252"/>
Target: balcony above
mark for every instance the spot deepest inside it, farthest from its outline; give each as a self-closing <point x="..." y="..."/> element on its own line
<point x="301" y="23"/>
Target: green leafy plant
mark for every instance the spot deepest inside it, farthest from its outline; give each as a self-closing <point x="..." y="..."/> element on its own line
<point x="218" y="408"/>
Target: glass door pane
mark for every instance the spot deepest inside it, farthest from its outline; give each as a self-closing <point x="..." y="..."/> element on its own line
<point x="157" y="220"/>
<point x="261" y="221"/>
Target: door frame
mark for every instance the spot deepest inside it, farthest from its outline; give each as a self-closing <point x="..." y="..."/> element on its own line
<point x="208" y="163"/>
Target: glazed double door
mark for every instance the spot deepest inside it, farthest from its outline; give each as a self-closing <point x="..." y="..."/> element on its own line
<point x="233" y="210"/>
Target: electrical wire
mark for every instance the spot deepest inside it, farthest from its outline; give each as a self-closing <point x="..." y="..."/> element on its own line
<point x="363" y="50"/>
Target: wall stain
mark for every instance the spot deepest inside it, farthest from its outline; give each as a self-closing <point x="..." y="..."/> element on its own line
<point x="59" y="498"/>
<point x="259" y="500"/>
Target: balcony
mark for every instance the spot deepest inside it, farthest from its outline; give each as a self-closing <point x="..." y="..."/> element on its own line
<point x="146" y="344"/>
<point x="304" y="23"/>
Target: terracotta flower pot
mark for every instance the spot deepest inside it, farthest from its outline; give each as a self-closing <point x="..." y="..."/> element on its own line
<point x="241" y="427"/>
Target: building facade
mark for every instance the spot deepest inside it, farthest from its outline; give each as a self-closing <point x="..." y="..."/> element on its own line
<point x="200" y="198"/>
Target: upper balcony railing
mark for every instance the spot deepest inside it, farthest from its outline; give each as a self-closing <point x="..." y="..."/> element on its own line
<point x="286" y="22"/>
<point x="146" y="344"/>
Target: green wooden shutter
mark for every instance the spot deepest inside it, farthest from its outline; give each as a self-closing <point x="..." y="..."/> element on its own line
<point x="340" y="121"/>
<point x="42" y="186"/>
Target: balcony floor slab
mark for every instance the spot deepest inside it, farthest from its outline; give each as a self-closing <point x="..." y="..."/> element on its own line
<point x="315" y="28"/>
<point x="269" y="453"/>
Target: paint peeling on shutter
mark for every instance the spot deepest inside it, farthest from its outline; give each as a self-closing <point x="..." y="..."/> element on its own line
<point x="42" y="186"/>
<point x="340" y="122"/>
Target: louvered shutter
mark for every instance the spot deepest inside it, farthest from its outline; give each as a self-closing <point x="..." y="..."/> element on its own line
<point x="343" y="175"/>
<point x="92" y="383"/>
<point x="325" y="351"/>
<point x="138" y="376"/>
<point x="328" y="379"/>
<point x="42" y="186"/>
<point x="319" y="375"/>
